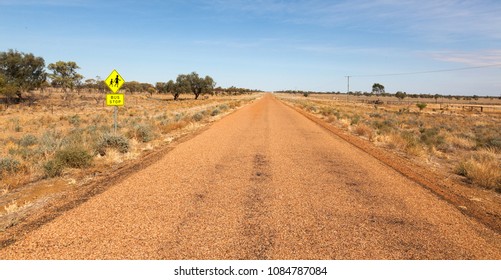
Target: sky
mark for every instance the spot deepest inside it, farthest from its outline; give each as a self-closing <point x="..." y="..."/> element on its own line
<point x="270" y="44"/>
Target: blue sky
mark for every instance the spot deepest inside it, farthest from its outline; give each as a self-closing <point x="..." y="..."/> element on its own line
<point x="269" y="44"/>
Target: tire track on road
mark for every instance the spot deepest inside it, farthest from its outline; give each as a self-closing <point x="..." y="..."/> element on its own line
<point x="259" y="234"/>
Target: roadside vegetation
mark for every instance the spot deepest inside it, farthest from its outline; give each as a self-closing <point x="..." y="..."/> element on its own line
<point x="45" y="145"/>
<point x="49" y="147"/>
<point x="467" y="144"/>
<point x="57" y="131"/>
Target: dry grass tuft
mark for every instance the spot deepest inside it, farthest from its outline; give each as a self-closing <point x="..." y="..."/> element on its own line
<point x="365" y="131"/>
<point x="113" y="156"/>
<point x="14" y="207"/>
<point x="483" y="168"/>
<point x="395" y="141"/>
<point x="171" y="126"/>
<point x="461" y="142"/>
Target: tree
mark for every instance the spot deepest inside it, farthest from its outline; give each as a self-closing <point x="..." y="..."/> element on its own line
<point x="161" y="87"/>
<point x="151" y="91"/>
<point x="100" y="85"/>
<point x="182" y="85"/>
<point x="377" y="88"/>
<point x="209" y="85"/>
<point x="400" y="95"/>
<point x="6" y="89"/>
<point x="197" y="84"/>
<point x="64" y="75"/>
<point x="421" y="106"/>
<point x="187" y="83"/>
<point x="90" y="84"/>
<point x="20" y="73"/>
<point x="132" y="87"/>
<point x="170" y="86"/>
<point x="145" y="87"/>
<point x="436" y="96"/>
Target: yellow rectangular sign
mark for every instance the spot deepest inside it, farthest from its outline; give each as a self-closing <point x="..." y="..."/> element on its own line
<point x="115" y="100"/>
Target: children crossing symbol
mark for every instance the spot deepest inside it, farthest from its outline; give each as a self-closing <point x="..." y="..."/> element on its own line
<point x="114" y="81"/>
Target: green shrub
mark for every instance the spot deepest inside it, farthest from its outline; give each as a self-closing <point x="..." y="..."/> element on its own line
<point x="74" y="120"/>
<point x="431" y="137"/>
<point x="223" y="107"/>
<point x="215" y="112"/>
<point x="410" y="139"/>
<point x="494" y="143"/>
<point x="162" y="117"/>
<point x="421" y="106"/>
<point x="384" y="127"/>
<point x="28" y="140"/>
<point x="355" y="120"/>
<point x="9" y="166"/>
<point x="50" y="142"/>
<point x="141" y="132"/>
<point x="178" y="116"/>
<point x="74" y="156"/>
<point x="164" y="122"/>
<point x="91" y="129"/>
<point x="118" y="142"/>
<point x="53" y="168"/>
<point x="198" y="117"/>
<point x="26" y="153"/>
<point x="487" y="136"/>
<point x="75" y="137"/>
<point x="326" y="111"/>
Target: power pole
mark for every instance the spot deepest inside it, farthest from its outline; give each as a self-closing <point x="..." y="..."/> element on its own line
<point x="348" y="91"/>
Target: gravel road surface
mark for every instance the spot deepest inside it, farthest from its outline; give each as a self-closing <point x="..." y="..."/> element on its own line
<point x="263" y="183"/>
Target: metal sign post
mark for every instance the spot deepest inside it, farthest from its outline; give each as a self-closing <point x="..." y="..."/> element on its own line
<point x="115" y="116"/>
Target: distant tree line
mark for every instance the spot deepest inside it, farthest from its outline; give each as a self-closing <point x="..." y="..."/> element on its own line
<point x="193" y="83"/>
<point x="379" y="90"/>
<point x="307" y="92"/>
<point x="187" y="83"/>
<point x="23" y="73"/>
<point x="235" y="90"/>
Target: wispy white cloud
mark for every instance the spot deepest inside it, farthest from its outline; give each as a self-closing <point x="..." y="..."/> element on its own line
<point x="473" y="58"/>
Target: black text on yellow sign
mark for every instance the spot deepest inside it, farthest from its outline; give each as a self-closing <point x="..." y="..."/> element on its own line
<point x="115" y="100"/>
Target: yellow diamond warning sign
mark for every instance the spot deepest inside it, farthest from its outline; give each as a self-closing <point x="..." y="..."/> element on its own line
<point x="115" y="100"/>
<point x="114" y="81"/>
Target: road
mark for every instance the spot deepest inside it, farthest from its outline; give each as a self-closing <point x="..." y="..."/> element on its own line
<point x="262" y="183"/>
